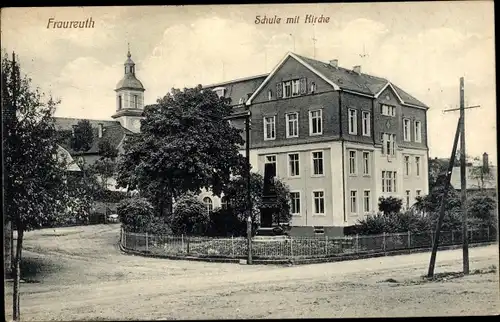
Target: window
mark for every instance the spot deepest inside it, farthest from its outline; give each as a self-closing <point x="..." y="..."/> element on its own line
<point x="292" y="125"/>
<point x="389" y="143"/>
<point x="295" y="203"/>
<point x="353" y="122"/>
<point x="407" y="165"/>
<point x="270" y="128"/>
<point x="417" y="166"/>
<point x="366" y="163"/>
<point x="293" y="161"/>
<point x="389" y="181"/>
<point x="119" y="102"/>
<point x="407" y="195"/>
<point x="269" y="95"/>
<point x="208" y="204"/>
<point x="352" y="162"/>
<point x="313" y="87"/>
<point x="315" y="122"/>
<point x="319" y="202"/>
<point x="271" y="159"/>
<point x="223" y="203"/>
<point x="136" y="101"/>
<point x="406" y="130"/>
<point x="418" y="131"/>
<point x="388" y="110"/>
<point x="354" y="208"/>
<point x="366" y="201"/>
<point x="291" y="88"/>
<point x="317" y="163"/>
<point x="418" y="193"/>
<point x="366" y="119"/>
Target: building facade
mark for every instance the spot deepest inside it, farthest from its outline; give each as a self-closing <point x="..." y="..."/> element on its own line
<point x="340" y="139"/>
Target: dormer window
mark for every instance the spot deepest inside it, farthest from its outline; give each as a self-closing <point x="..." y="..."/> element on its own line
<point x="269" y="95"/>
<point x="220" y="91"/>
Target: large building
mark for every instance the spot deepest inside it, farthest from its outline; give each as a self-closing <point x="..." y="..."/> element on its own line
<point x="338" y="137"/>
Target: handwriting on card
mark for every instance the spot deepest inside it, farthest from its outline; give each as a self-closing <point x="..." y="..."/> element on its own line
<point x="275" y="20"/>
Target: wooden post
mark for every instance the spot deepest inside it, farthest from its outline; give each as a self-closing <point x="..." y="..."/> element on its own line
<point x="452" y="242"/>
<point x="232" y="246"/>
<point x="435" y="245"/>
<point x="187" y="243"/>
<point x="291" y="247"/>
<point x="488" y="233"/>
<point x="147" y="246"/>
<point x="326" y="245"/>
<point x="409" y="239"/>
<point x="182" y="242"/>
<point x="463" y="184"/>
<point x="357" y="244"/>
<point x="383" y="243"/>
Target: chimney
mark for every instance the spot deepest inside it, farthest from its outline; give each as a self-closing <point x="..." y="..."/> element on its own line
<point x="73" y="127"/>
<point x="334" y="63"/>
<point x="99" y="130"/>
<point x="486" y="167"/>
<point x="357" y="69"/>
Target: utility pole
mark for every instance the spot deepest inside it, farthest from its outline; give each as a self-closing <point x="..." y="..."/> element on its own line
<point x="249" y="195"/>
<point x="465" y="239"/>
<point x="463" y="185"/>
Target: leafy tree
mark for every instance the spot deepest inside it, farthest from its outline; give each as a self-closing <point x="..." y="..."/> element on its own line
<point x="83" y="138"/>
<point x="106" y="150"/>
<point x="136" y="214"/>
<point x="390" y="205"/>
<point x="236" y="195"/>
<point x="185" y="144"/>
<point x="33" y="174"/>
<point x="482" y="207"/>
<point x="190" y="216"/>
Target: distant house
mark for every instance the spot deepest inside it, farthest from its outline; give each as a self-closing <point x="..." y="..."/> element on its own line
<point x="480" y="176"/>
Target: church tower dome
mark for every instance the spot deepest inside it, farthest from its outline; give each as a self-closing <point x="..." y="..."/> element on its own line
<point x="129" y="97"/>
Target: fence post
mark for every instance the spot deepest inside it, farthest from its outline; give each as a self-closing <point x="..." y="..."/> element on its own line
<point x="232" y="246"/>
<point x="357" y="244"/>
<point x="187" y="243"/>
<point x="326" y="245"/>
<point x="488" y="233"/>
<point x="452" y="242"/>
<point x="125" y="239"/>
<point x="291" y="247"/>
<point x="182" y="242"/>
<point x="409" y="239"/>
<point x="383" y="242"/>
<point x="147" y="246"/>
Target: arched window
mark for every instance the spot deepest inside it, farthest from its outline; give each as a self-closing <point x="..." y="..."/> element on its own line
<point x="208" y="203"/>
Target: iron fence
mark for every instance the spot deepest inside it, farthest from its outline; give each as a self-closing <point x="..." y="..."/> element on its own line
<point x="285" y="247"/>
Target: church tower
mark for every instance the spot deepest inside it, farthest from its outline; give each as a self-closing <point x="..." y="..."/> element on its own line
<point x="129" y="98"/>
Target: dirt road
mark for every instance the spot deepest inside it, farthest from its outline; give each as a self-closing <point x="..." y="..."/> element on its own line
<point x="80" y="274"/>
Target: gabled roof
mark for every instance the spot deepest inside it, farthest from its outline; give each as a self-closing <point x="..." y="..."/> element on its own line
<point x="473" y="183"/>
<point x="239" y="88"/>
<point x="345" y="79"/>
<point x="112" y="131"/>
<point x="63" y="154"/>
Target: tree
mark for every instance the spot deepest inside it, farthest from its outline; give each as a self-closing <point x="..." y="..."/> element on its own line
<point x="83" y="137"/>
<point x="33" y="174"/>
<point x="190" y="216"/>
<point x="185" y="145"/>
<point x="236" y="195"/>
<point x="481" y="174"/>
<point x="390" y="205"/>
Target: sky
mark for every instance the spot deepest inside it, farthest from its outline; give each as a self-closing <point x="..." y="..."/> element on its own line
<point x="423" y="47"/>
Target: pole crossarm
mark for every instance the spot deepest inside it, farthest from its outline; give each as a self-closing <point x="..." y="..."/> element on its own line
<point x="458" y="109"/>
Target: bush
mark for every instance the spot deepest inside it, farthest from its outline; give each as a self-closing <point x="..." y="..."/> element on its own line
<point x="224" y="222"/>
<point x="189" y="216"/>
<point x="389" y="205"/>
<point x="136" y="214"/>
<point x="482" y="207"/>
<point x="392" y="223"/>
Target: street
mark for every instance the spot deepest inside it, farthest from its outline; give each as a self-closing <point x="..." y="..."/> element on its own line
<point x="78" y="273"/>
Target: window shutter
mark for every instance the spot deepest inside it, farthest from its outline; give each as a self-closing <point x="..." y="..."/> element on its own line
<point x="303" y="86"/>
<point x="279" y="90"/>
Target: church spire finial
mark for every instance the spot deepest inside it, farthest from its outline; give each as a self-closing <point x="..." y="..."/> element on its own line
<point x="128" y="52"/>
